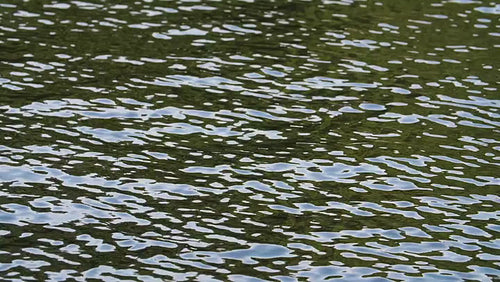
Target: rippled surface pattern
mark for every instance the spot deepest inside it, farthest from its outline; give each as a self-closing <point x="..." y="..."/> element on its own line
<point x="249" y="140"/>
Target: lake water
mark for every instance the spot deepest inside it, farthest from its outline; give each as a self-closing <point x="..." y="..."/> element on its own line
<point x="249" y="140"/>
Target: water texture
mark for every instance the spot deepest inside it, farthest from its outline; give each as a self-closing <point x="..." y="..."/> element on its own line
<point x="249" y="140"/>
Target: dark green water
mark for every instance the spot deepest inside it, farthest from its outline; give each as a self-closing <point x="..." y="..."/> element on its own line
<point x="249" y="140"/>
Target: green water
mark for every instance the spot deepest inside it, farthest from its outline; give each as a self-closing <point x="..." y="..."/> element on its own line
<point x="249" y="140"/>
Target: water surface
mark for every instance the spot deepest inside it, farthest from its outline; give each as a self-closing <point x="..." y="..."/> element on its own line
<point x="249" y="140"/>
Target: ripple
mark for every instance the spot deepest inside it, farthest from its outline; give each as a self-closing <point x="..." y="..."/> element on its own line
<point x="249" y="141"/>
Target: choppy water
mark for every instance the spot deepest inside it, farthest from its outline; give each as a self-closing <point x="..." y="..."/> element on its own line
<point x="247" y="140"/>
